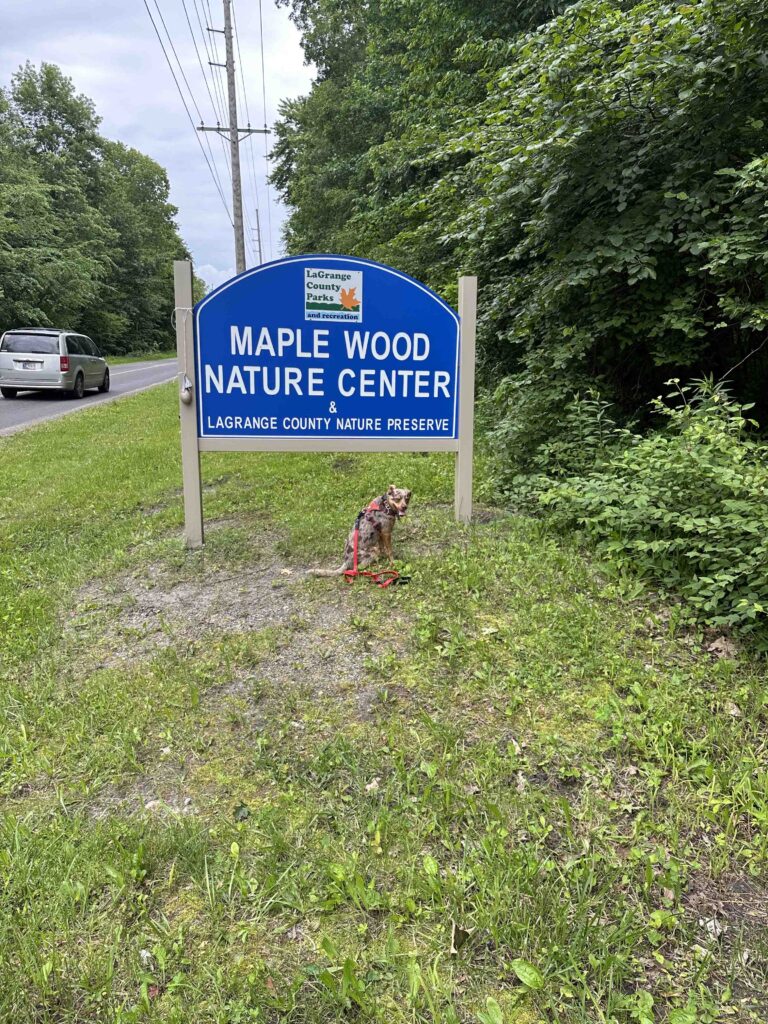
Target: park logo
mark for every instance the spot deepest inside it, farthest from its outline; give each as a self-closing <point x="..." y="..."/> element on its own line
<point x="333" y="294"/>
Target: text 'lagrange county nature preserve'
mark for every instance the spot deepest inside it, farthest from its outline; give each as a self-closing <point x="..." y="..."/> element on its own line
<point x="304" y="380"/>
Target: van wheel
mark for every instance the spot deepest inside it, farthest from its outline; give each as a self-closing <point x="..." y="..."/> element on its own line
<point x="104" y="387"/>
<point x="79" y="389"/>
<point x="8" y="392"/>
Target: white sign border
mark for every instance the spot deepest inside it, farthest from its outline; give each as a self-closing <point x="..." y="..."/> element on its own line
<point x="421" y="438"/>
<point x="192" y="445"/>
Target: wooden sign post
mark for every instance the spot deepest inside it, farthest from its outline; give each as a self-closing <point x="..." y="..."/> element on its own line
<point x="324" y="353"/>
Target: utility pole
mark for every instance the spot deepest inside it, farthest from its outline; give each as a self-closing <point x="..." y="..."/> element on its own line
<point x="235" y="134"/>
<point x="257" y="239"/>
<point x="234" y="141"/>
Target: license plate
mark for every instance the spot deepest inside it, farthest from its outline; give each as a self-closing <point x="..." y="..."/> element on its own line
<point x="30" y="364"/>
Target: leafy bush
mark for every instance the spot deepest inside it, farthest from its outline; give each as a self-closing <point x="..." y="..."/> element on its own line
<point x="535" y="429"/>
<point x="685" y="506"/>
<point x="600" y="165"/>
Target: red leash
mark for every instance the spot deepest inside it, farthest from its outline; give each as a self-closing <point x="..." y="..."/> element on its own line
<point x="383" y="578"/>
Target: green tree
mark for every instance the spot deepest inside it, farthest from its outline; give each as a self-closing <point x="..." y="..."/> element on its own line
<point x="600" y="166"/>
<point x="137" y="298"/>
<point x="618" y="218"/>
<point x="87" y="232"/>
<point x="357" y="158"/>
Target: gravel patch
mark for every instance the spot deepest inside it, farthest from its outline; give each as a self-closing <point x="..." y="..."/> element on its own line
<point x="318" y="655"/>
<point x="133" y="617"/>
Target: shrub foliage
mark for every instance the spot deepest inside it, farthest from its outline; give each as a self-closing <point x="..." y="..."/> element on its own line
<point x="687" y="506"/>
<point x="602" y="166"/>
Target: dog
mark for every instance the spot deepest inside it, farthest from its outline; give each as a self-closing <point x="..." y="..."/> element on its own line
<point x="374" y="525"/>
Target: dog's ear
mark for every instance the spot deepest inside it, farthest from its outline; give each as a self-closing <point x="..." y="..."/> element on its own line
<point x="391" y="489"/>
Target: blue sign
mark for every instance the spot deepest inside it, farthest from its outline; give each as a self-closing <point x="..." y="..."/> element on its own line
<point x="326" y="347"/>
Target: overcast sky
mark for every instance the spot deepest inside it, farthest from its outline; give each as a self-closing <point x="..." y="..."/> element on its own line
<point x="110" y="50"/>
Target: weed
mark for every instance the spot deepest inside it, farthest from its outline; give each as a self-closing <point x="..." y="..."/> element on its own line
<point x="541" y="819"/>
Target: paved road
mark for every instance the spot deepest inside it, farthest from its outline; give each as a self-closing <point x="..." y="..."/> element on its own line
<point x="31" y="407"/>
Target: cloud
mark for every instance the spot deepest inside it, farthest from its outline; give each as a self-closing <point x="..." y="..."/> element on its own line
<point x="214" y="276"/>
<point x="111" y="53"/>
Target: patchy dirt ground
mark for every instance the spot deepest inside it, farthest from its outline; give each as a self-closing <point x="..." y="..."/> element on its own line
<point x="319" y="650"/>
<point x="135" y="616"/>
<point x="732" y="910"/>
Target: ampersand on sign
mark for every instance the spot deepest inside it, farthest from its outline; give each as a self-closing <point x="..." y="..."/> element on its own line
<point x="332" y="407"/>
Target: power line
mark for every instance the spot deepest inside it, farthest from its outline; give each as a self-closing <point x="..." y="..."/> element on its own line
<point x="219" y="104"/>
<point x="266" y="145"/>
<point x="216" y="63"/>
<point x="181" y="69"/>
<point x="205" y="79"/>
<point x="234" y="131"/>
<point x="217" y="99"/>
<point x="249" y="238"/>
<point x="189" y="88"/>
<point x="240" y="58"/>
<point x="251" y="163"/>
<point x="218" y="77"/>
<point x="218" y="84"/>
<point x="199" y="58"/>
<point x="186" y="108"/>
<point x="234" y="140"/>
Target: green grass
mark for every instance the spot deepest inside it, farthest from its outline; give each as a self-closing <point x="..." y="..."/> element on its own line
<point x="512" y="791"/>
<point x="137" y="357"/>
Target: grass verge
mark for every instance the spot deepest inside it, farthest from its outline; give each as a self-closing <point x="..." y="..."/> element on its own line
<point x="138" y="357"/>
<point x="513" y="791"/>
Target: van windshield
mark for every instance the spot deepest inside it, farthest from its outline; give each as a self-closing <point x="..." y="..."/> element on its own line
<point x="39" y="344"/>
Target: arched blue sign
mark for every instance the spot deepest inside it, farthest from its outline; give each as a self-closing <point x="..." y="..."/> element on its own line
<point x="326" y="347"/>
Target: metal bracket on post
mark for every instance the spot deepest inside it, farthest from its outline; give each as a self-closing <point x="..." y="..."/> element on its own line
<point x="462" y="496"/>
<point x="190" y="453"/>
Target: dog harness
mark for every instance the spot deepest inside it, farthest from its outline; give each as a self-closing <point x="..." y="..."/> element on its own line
<point x="386" y="577"/>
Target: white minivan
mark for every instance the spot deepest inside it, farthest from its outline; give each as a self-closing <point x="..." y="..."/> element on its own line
<point x="43" y="359"/>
